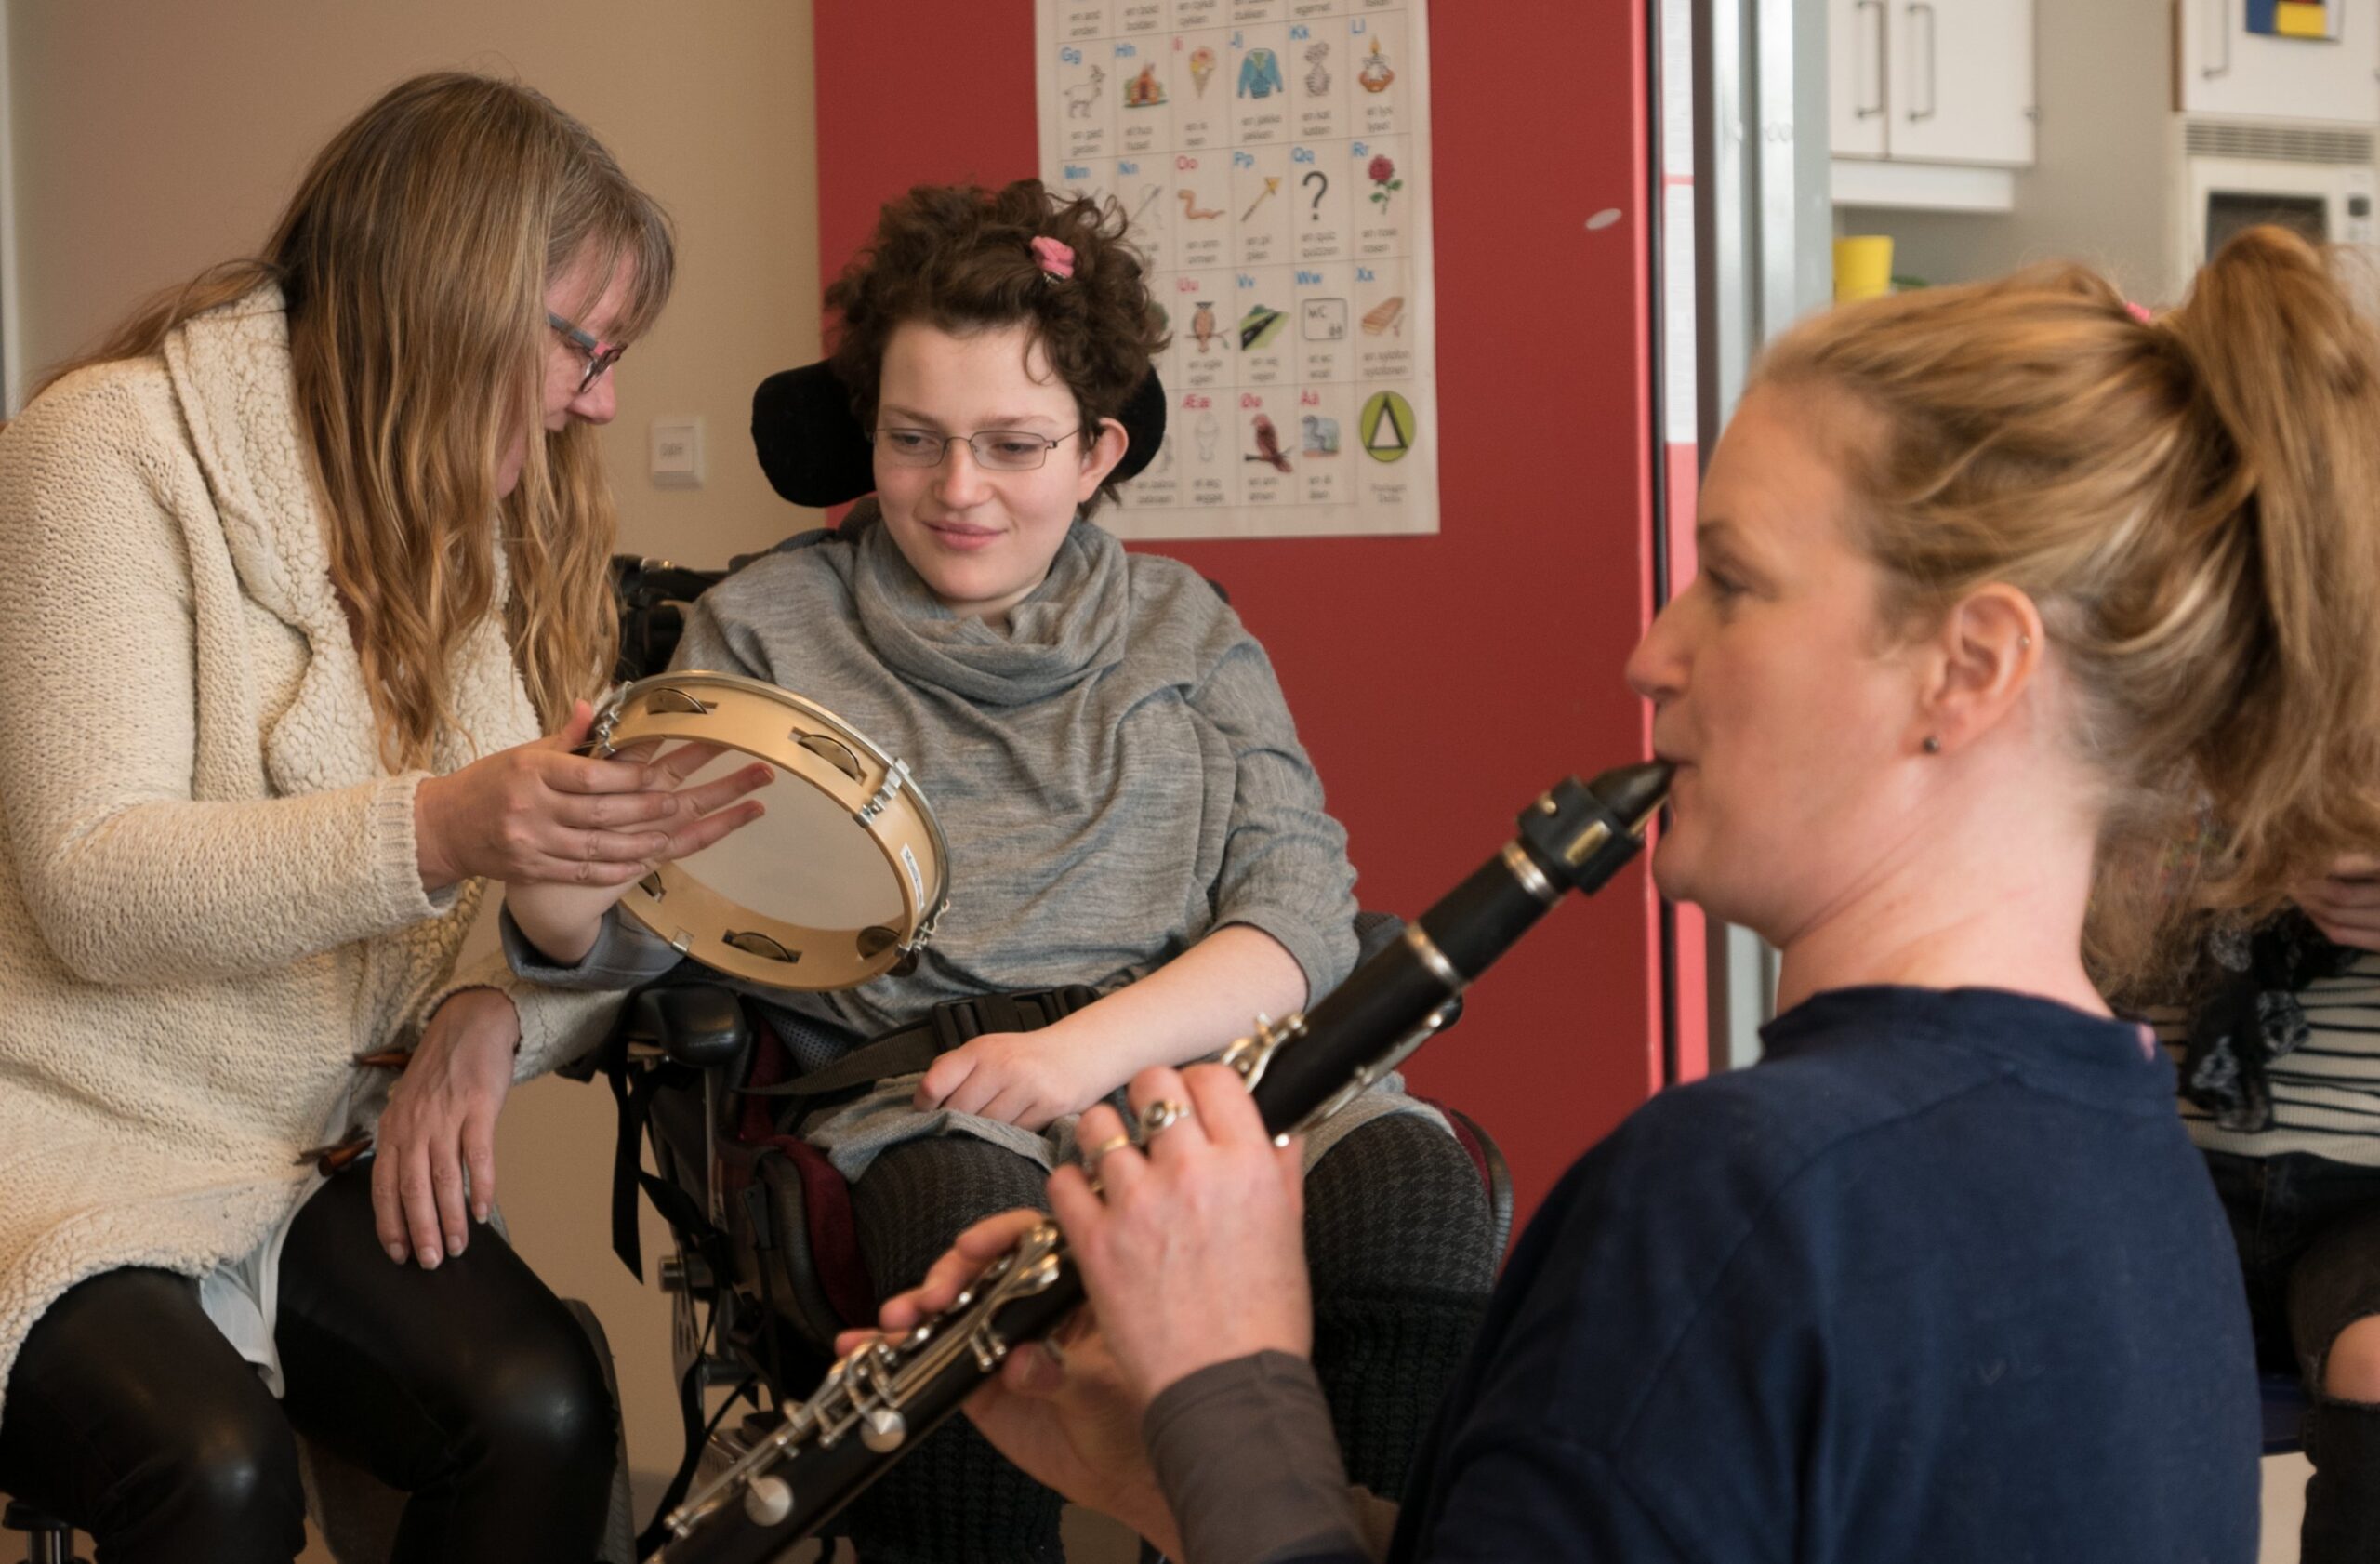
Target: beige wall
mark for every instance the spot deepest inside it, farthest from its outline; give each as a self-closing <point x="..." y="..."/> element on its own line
<point x="153" y="137"/>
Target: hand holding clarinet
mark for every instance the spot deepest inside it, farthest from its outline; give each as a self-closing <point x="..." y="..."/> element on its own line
<point x="1193" y="1241"/>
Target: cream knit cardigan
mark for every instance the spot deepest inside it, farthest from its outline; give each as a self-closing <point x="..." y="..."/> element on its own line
<point x="209" y="901"/>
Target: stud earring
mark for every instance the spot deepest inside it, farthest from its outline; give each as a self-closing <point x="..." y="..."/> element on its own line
<point x="1933" y="745"/>
<point x="2024" y="644"/>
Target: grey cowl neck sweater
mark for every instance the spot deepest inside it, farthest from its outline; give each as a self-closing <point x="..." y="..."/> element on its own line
<point x="1074" y="626"/>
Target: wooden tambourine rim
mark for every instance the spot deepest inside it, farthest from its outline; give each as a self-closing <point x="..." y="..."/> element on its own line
<point x="698" y="920"/>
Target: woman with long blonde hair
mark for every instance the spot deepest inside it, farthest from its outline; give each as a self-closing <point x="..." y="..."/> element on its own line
<point x="294" y="571"/>
<point x="2004" y="590"/>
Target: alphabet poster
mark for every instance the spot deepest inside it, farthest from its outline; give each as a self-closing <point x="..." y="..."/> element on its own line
<point x="1273" y="158"/>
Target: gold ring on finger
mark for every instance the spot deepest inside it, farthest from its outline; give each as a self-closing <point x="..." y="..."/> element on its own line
<point x="1160" y="1116"/>
<point x="1091" y="1155"/>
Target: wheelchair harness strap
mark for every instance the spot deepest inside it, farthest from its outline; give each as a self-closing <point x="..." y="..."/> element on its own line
<point x="947" y="1025"/>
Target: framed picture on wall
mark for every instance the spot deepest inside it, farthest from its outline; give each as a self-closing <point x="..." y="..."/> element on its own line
<point x="2316" y="20"/>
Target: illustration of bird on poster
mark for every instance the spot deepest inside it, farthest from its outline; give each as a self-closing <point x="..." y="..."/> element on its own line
<point x="1268" y="445"/>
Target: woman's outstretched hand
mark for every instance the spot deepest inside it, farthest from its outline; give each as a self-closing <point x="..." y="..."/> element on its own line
<point x="564" y="918"/>
<point x="540" y="812"/>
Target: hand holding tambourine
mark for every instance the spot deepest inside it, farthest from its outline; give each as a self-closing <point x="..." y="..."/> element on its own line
<point x="843" y="883"/>
<point x="560" y="914"/>
<point x="544" y="811"/>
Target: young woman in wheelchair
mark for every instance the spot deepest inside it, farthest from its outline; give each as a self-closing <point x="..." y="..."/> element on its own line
<point x="2004" y="590"/>
<point x="1126" y="800"/>
<point x="294" y="571"/>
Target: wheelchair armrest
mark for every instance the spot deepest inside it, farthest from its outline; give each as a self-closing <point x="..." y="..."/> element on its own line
<point x="696" y="1024"/>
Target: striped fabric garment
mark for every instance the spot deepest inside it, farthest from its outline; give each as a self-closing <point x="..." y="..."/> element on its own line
<point x="2326" y="1092"/>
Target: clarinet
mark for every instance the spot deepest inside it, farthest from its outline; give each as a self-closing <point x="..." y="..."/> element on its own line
<point x="879" y="1402"/>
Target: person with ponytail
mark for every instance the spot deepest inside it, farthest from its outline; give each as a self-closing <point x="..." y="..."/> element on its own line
<point x="2005" y="590"/>
<point x="294" y="572"/>
<point x="1129" y="811"/>
<point x="2277" y="1037"/>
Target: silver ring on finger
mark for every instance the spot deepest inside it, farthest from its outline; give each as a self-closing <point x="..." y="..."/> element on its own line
<point x="1161" y="1115"/>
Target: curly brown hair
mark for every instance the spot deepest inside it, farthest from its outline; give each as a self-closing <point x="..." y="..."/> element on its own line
<point x="960" y="259"/>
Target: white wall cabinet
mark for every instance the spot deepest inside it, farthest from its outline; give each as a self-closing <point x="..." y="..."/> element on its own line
<point x="1856" y="94"/>
<point x="1934" y="81"/>
<point x="2228" y="70"/>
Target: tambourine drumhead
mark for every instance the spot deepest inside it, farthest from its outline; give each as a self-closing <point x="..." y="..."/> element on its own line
<point x="839" y="882"/>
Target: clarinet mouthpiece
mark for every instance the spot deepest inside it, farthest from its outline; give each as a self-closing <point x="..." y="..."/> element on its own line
<point x="1579" y="833"/>
<point x="1634" y="792"/>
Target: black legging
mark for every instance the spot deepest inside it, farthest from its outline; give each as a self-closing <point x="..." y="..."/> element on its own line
<point x="470" y="1387"/>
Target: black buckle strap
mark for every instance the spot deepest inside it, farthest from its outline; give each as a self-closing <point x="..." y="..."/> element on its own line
<point x="949" y="1025"/>
<point x="957" y="1021"/>
<point x="633" y="1093"/>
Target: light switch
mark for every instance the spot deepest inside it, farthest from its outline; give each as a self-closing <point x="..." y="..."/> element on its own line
<point x="678" y="453"/>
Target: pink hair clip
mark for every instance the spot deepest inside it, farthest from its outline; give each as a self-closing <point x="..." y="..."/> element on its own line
<point x="1057" y="257"/>
<point x="2138" y="312"/>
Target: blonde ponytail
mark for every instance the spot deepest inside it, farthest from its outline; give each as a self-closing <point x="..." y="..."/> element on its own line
<point x="2287" y="374"/>
<point x="2194" y="504"/>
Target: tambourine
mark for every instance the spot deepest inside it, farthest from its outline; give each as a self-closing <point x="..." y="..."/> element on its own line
<point x="839" y="882"/>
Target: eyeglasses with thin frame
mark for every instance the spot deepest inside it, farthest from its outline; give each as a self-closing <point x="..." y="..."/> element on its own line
<point x="998" y="450"/>
<point x="600" y="355"/>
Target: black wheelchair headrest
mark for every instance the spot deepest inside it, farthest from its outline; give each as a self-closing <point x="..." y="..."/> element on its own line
<point x="814" y="452"/>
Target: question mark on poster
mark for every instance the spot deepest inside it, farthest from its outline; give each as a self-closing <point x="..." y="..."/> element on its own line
<point x="1315" y="208"/>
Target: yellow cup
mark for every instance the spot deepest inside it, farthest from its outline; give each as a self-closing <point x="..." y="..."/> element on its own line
<point x="1863" y="267"/>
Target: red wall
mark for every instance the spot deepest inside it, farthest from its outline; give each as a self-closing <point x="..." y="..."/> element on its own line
<point x="1440" y="683"/>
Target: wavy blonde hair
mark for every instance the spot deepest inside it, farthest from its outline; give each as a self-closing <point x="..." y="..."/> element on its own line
<point x="2193" y="502"/>
<point x="413" y="261"/>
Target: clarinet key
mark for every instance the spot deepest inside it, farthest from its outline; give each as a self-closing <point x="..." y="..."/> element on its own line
<point x="883" y="1430"/>
<point x="768" y="1501"/>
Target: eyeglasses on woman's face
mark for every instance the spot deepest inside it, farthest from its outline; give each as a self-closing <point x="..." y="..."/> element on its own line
<point x="599" y="356"/>
<point x="996" y="450"/>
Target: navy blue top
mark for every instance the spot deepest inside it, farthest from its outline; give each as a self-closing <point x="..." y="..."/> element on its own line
<point x="1943" y="1278"/>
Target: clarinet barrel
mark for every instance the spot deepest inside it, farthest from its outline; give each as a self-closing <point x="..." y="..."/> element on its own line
<point x="1574" y="838"/>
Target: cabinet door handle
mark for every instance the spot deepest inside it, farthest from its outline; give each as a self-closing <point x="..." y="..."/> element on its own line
<point x="1932" y="98"/>
<point x="1869" y="110"/>
<point x="2221" y="11"/>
